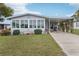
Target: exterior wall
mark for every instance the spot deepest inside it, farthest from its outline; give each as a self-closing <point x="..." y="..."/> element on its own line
<point x="27" y="30"/>
<point x="75" y="24"/>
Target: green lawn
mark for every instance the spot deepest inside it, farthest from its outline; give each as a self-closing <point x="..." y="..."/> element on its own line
<point x="30" y="45"/>
<point x="76" y="31"/>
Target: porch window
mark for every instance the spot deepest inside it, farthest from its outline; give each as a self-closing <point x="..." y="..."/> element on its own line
<point x="32" y="23"/>
<point x="40" y="23"/>
<point x="15" y="24"/>
<point x="24" y="23"/>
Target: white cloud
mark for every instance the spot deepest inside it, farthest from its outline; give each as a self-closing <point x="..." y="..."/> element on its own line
<point x="69" y="15"/>
<point x="74" y="5"/>
<point x="20" y="8"/>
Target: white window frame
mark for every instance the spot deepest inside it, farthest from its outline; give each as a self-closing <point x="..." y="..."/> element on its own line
<point x="40" y="24"/>
<point x="26" y="23"/>
<point x="23" y="23"/>
<point x="32" y="23"/>
<point x="15" y="23"/>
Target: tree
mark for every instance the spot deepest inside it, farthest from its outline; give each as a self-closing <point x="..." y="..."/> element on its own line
<point x="5" y="10"/>
<point x="77" y="13"/>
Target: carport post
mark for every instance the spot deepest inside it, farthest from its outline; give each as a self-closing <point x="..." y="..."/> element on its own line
<point x="49" y="25"/>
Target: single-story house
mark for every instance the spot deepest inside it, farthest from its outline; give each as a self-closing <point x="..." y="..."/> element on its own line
<point x="27" y="23"/>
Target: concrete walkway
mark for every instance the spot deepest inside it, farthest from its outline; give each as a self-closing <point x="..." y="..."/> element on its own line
<point x="68" y="42"/>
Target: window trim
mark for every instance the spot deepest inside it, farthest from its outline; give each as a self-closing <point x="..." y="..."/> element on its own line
<point x="24" y="23"/>
<point x="15" y="26"/>
<point x="32" y="23"/>
<point x="40" y="22"/>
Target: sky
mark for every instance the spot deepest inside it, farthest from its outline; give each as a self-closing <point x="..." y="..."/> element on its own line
<point x="45" y="9"/>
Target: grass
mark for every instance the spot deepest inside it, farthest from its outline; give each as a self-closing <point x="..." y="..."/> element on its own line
<point x="29" y="45"/>
<point x="76" y="31"/>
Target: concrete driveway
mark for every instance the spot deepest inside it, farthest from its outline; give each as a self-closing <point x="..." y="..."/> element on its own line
<point x="68" y="42"/>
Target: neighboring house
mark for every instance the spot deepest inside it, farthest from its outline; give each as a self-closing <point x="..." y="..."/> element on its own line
<point x="76" y="23"/>
<point x="27" y="23"/>
<point x="4" y="23"/>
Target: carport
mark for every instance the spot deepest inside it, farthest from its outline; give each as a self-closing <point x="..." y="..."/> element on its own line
<point x="60" y="24"/>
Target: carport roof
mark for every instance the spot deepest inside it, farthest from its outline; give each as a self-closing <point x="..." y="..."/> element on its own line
<point x="60" y="18"/>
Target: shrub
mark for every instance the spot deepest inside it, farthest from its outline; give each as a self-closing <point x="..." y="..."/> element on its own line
<point x="5" y="32"/>
<point x="38" y="31"/>
<point x="72" y="30"/>
<point x="16" y="32"/>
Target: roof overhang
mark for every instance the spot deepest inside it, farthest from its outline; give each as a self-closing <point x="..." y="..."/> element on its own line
<point x="27" y="15"/>
<point x="52" y="19"/>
